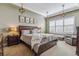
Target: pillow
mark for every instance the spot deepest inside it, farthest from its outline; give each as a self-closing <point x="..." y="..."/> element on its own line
<point x="25" y="32"/>
<point x="36" y="31"/>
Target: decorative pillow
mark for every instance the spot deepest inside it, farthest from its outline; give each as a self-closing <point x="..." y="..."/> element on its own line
<point x="36" y="31"/>
<point x="25" y="32"/>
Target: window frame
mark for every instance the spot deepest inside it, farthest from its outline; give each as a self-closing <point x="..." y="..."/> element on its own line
<point x="74" y="25"/>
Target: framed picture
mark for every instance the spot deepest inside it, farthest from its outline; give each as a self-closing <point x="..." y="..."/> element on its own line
<point x="24" y="19"/>
<point x="21" y="19"/>
<point x="27" y="19"/>
<point x="32" y="20"/>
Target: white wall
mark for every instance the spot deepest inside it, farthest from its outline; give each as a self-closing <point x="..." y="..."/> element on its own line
<point x="9" y="17"/>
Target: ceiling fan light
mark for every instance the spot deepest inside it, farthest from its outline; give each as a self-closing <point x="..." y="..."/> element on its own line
<point x="21" y="9"/>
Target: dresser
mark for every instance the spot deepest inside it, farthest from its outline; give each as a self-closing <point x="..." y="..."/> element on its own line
<point x="77" y="46"/>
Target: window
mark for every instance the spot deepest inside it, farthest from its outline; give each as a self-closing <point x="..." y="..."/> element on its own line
<point x="69" y="25"/>
<point x="66" y="27"/>
<point x="52" y="26"/>
<point x="59" y="26"/>
<point x="69" y="29"/>
<point x="69" y="21"/>
<point x="59" y="22"/>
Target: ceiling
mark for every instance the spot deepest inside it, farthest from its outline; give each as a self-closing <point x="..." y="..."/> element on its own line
<point x="51" y="8"/>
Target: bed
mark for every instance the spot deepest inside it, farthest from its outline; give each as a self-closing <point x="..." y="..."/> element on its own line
<point x="26" y="33"/>
<point x="38" y="42"/>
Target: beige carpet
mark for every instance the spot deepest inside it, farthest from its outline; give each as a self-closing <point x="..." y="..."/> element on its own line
<point x="61" y="49"/>
<point x="17" y="50"/>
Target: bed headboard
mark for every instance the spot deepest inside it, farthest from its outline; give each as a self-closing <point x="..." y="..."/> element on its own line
<point x="26" y="28"/>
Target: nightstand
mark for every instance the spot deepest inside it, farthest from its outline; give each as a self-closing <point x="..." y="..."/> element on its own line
<point x="13" y="40"/>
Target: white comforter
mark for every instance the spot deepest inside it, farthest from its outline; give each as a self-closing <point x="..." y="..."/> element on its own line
<point x="36" y="39"/>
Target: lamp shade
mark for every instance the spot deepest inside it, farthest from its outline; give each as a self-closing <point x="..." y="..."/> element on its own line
<point x="12" y="29"/>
